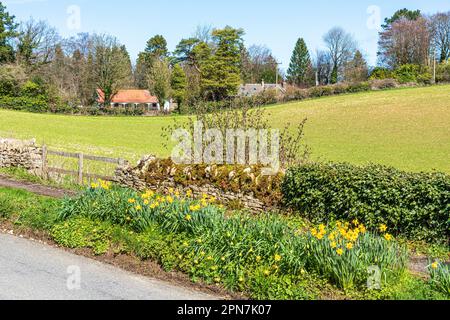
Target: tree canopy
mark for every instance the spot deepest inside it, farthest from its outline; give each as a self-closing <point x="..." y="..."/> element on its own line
<point x="300" y="69"/>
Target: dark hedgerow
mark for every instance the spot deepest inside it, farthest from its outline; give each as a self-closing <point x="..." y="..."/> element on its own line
<point x="416" y="205"/>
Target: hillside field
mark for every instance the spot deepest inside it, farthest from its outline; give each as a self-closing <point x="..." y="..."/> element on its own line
<point x="406" y="128"/>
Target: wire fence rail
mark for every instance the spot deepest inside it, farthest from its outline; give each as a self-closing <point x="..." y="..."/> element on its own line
<point x="80" y="173"/>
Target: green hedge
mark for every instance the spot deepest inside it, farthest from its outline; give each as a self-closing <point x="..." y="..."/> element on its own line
<point x="37" y="104"/>
<point x="415" y="205"/>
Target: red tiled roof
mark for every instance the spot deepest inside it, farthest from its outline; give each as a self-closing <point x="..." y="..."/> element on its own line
<point x="129" y="96"/>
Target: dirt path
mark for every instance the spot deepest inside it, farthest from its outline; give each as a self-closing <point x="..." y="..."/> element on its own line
<point x="35" y="188"/>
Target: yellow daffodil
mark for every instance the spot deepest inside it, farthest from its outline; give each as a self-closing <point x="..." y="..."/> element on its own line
<point x="188" y="217"/>
<point x="388" y="237"/>
<point x="146" y="202"/>
<point x="362" y="229"/>
<point x="340" y="252"/>
<point x="356" y="222"/>
<point x="258" y="259"/>
<point x="189" y="193"/>
<point x="169" y="199"/>
<point x="435" y="265"/>
<point x="349" y="246"/>
<point x="332" y="236"/>
<point x="267" y="273"/>
<point x="333" y="245"/>
<point x="94" y="185"/>
<point x="154" y="205"/>
<point x="383" y="228"/>
<point x="131" y="200"/>
<point x="277" y="258"/>
<point x="138" y="208"/>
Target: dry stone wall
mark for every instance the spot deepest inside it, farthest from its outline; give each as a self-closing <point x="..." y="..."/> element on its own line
<point x="22" y="154"/>
<point x="131" y="177"/>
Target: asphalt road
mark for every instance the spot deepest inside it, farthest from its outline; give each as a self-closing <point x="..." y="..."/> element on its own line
<point x="32" y="271"/>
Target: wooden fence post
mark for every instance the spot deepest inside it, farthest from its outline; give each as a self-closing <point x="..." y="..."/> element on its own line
<point x="80" y="168"/>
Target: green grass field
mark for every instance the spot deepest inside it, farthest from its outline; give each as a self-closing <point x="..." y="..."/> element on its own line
<point x="405" y="128"/>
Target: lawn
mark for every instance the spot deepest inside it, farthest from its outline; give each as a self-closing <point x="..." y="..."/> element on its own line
<point x="405" y="128"/>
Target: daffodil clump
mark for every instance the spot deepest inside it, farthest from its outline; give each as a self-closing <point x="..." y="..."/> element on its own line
<point x="138" y="210"/>
<point x="344" y="252"/>
<point x="101" y="184"/>
<point x="264" y="256"/>
<point x="440" y="276"/>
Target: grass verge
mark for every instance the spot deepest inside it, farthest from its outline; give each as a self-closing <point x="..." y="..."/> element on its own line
<point x="168" y="249"/>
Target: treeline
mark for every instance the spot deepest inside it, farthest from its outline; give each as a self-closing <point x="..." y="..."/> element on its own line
<point x="41" y="71"/>
<point x="209" y="66"/>
<point x="409" y="44"/>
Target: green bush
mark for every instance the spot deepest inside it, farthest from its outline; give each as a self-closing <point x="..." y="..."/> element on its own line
<point x="36" y="104"/>
<point x="416" y="205"/>
<point x="380" y="73"/>
<point x="412" y="73"/>
<point x="443" y="72"/>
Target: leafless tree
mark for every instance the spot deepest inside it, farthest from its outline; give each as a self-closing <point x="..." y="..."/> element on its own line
<point x="405" y="42"/>
<point x="440" y="26"/>
<point x="204" y="33"/>
<point x="36" y="44"/>
<point x="259" y="64"/>
<point x="82" y="43"/>
<point x="112" y="66"/>
<point x="341" y="47"/>
<point x="323" y="66"/>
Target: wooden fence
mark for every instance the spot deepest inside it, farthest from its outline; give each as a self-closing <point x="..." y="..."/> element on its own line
<point x="79" y="174"/>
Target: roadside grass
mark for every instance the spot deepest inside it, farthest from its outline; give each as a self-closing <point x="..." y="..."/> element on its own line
<point x="405" y="128"/>
<point x="168" y="249"/>
<point x="27" y="210"/>
<point x="20" y="174"/>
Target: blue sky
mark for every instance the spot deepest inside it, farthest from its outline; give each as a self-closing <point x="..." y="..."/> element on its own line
<point x="276" y="24"/>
